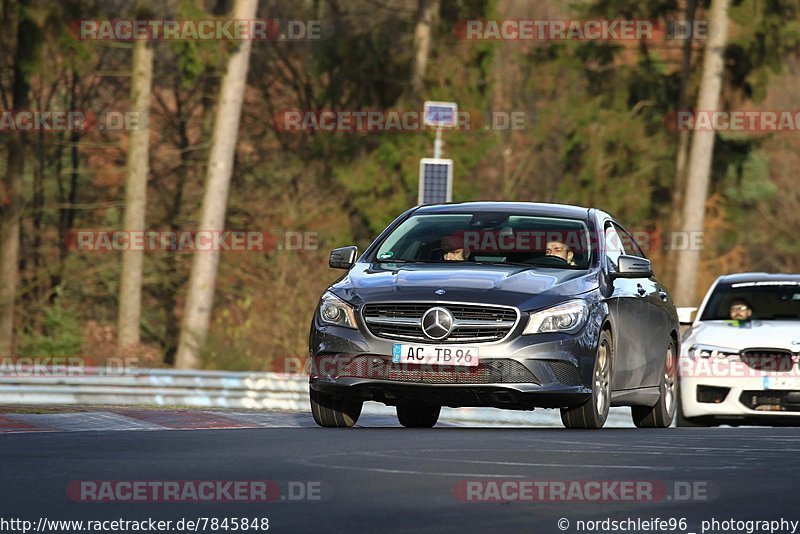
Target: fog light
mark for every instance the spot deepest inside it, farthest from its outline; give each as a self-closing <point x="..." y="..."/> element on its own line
<point x="711" y="394"/>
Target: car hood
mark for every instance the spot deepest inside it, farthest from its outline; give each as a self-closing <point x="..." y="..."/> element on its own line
<point x="783" y="334"/>
<point x="523" y="287"/>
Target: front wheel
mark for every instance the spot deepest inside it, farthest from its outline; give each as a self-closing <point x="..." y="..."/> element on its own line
<point x="661" y="415"/>
<point x="331" y="412"/>
<point x="418" y="416"/>
<point x="594" y="412"/>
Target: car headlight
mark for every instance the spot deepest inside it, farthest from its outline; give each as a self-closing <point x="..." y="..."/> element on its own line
<point x="333" y="310"/>
<point x="568" y="317"/>
<point x="710" y="351"/>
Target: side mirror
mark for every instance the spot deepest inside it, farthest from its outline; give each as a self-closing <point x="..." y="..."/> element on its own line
<point x="633" y="267"/>
<point x="686" y="315"/>
<point x="343" y="258"/>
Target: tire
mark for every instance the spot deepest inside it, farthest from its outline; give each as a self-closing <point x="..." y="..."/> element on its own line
<point x="418" y="415"/>
<point x="331" y="412"/>
<point x="661" y="415"/>
<point x="594" y="412"/>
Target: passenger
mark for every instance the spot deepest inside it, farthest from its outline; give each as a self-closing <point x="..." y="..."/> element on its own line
<point x="454" y="249"/>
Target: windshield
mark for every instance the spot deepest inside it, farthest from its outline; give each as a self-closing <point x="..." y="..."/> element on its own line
<point x="489" y="238"/>
<point x="755" y="300"/>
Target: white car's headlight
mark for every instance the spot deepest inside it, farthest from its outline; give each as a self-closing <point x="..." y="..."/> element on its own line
<point x="710" y="351"/>
<point x="567" y="317"/>
<point x="333" y="310"/>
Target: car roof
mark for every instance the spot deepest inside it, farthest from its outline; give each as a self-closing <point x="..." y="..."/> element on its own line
<point x="757" y="277"/>
<point x="513" y="208"/>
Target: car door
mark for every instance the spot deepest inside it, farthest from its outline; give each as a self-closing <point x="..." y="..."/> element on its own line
<point x="655" y="311"/>
<point x="630" y="310"/>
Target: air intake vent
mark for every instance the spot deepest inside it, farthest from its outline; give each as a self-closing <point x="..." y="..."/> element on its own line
<point x="496" y="371"/>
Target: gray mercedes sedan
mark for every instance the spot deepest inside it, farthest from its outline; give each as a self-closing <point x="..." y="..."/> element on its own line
<point x="496" y="304"/>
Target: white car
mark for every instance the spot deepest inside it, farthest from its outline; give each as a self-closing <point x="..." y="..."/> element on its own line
<point x="739" y="359"/>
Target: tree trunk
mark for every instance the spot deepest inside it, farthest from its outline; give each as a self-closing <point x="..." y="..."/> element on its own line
<point x="9" y="243"/>
<point x="679" y="184"/>
<point x="11" y="200"/>
<point x="136" y="171"/>
<point x="200" y="296"/>
<point x="67" y="198"/>
<point x="427" y="12"/>
<point x="702" y="150"/>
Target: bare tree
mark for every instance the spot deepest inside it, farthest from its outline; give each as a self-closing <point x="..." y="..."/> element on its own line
<point x="136" y="171"/>
<point x="200" y="297"/>
<point x="11" y="199"/>
<point x="682" y="155"/>
<point x="427" y="13"/>
<point x="702" y="151"/>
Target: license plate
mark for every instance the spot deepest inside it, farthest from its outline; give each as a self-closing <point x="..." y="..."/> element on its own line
<point x="782" y="382"/>
<point x="437" y="355"/>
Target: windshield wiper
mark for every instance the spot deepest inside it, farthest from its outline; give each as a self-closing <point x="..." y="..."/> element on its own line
<point x="512" y="263"/>
<point x="389" y="260"/>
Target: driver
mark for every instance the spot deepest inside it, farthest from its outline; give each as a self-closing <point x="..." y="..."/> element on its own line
<point x="454" y="248"/>
<point x="740" y="310"/>
<point x="561" y="250"/>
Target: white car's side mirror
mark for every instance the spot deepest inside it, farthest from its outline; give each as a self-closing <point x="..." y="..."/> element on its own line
<point x="686" y="315"/>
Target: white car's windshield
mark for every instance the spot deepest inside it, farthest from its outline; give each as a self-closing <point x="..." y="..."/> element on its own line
<point x="489" y="238"/>
<point x="754" y="300"/>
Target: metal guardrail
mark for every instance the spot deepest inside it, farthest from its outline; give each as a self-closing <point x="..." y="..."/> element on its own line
<point x="216" y="389"/>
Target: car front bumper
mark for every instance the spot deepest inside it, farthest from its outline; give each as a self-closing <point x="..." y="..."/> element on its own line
<point x="753" y="398"/>
<point x="521" y="372"/>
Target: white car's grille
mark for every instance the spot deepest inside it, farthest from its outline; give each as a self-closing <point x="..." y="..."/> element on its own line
<point x="775" y="360"/>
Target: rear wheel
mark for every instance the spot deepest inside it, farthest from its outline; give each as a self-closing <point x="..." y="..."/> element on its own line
<point x="418" y="415"/>
<point x="594" y="412"/>
<point x="331" y="412"/>
<point x="661" y="415"/>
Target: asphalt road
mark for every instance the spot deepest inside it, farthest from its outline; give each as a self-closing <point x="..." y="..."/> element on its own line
<point x="381" y="478"/>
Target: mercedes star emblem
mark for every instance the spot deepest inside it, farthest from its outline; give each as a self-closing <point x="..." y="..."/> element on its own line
<point x="440" y="291"/>
<point x="437" y="323"/>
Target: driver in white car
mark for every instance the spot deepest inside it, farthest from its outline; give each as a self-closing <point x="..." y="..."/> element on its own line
<point x="740" y="313"/>
<point x="740" y="310"/>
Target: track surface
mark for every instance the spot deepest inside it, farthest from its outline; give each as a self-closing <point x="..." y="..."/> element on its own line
<point x="384" y="478"/>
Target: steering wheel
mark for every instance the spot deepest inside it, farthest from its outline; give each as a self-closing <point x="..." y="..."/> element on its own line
<point x="553" y="261"/>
